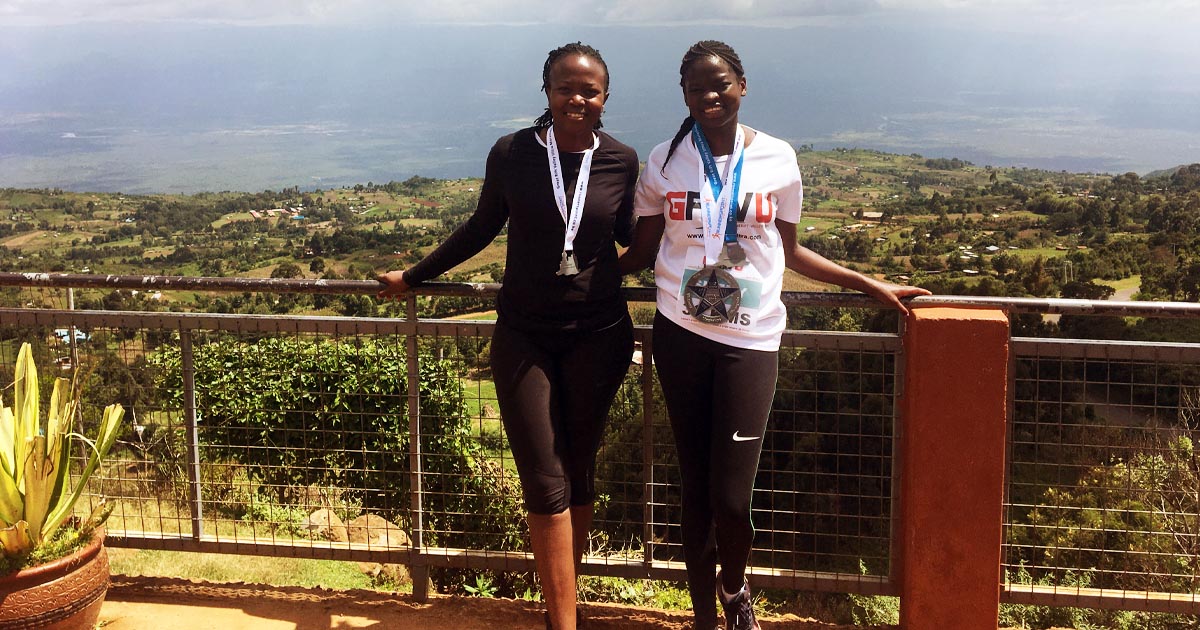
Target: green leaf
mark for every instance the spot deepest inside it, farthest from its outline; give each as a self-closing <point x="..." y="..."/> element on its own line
<point x="59" y="418"/>
<point x="62" y="457"/>
<point x="110" y="424"/>
<point x="15" y="540"/>
<point x="99" y="514"/>
<point x="40" y="469"/>
<point x="12" y="505"/>
<point x="25" y="409"/>
<point x="8" y="442"/>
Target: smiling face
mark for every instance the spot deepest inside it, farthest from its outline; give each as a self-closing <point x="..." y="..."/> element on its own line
<point x="713" y="92"/>
<point x="576" y="92"/>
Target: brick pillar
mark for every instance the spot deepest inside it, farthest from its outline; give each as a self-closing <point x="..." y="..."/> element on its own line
<point x="952" y="448"/>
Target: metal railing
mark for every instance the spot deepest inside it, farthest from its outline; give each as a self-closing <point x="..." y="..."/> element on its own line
<point x="214" y="464"/>
<point x="1103" y="491"/>
<point x="1104" y="480"/>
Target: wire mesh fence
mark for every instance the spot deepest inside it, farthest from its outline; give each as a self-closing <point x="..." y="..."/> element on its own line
<point x="380" y="440"/>
<point x="1104" y="491"/>
<point x="310" y="436"/>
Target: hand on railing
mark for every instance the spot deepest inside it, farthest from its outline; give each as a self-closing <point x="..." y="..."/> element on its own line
<point x="394" y="284"/>
<point x="892" y="294"/>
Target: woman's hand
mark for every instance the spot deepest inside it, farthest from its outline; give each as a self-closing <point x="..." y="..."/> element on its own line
<point x="891" y="294"/>
<point x="394" y="284"/>
<point x="647" y="234"/>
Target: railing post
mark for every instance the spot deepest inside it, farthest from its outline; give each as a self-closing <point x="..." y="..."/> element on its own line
<point x="895" y="549"/>
<point x="647" y="451"/>
<point x="420" y="566"/>
<point x="952" y="468"/>
<point x="191" y="431"/>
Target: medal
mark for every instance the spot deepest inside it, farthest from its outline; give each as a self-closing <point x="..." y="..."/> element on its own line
<point x="568" y="266"/>
<point x="732" y="255"/>
<point x="712" y="296"/>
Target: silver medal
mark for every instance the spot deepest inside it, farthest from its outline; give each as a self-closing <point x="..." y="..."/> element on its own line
<point x="572" y="216"/>
<point x="732" y="255"/>
<point x="712" y="296"/>
<point x="568" y="266"/>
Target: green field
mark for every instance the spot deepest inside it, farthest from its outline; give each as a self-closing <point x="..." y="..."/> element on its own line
<point x="212" y="567"/>
<point x="1125" y="284"/>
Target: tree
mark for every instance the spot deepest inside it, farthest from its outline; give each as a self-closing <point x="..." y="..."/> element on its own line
<point x="297" y="413"/>
<point x="287" y="270"/>
<point x="1140" y="509"/>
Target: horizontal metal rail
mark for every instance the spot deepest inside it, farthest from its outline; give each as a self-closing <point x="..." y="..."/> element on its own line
<point x="1104" y="599"/>
<point x="1048" y="306"/>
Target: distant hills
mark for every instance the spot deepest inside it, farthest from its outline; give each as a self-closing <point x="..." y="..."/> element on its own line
<point x="183" y="109"/>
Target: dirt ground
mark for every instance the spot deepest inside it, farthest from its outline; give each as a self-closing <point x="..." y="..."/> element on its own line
<point x="146" y="603"/>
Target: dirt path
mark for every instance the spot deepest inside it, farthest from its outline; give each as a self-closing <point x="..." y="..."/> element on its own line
<point x="1124" y="295"/>
<point x="20" y="240"/>
<point x="143" y="603"/>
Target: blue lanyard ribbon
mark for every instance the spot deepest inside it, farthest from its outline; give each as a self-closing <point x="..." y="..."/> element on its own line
<point x="715" y="180"/>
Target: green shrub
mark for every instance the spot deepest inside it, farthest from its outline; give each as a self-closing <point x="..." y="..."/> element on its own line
<point x="294" y="413"/>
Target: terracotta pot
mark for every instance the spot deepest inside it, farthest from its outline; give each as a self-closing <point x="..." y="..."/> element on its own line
<point x="62" y="595"/>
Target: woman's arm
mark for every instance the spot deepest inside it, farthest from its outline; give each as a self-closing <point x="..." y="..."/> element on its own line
<point x="469" y="239"/>
<point x="641" y="252"/>
<point x="805" y="261"/>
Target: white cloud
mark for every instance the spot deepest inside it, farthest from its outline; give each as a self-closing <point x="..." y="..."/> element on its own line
<point x="756" y="11"/>
<point x="446" y="11"/>
<point x="267" y="12"/>
<point x="1060" y="12"/>
<point x="1019" y="14"/>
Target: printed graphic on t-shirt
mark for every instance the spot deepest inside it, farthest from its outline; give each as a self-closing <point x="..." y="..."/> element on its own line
<point x="770" y="190"/>
<point x="749" y="283"/>
<point x="685" y="206"/>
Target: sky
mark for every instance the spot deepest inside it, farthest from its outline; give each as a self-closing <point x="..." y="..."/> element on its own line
<point x="1167" y="26"/>
<point x="171" y="94"/>
<point x="1117" y="15"/>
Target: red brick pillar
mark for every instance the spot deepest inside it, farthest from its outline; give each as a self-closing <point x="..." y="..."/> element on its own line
<point x="952" y="441"/>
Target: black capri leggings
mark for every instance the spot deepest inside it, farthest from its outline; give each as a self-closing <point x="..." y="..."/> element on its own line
<point x="554" y="392"/>
<point x="718" y="399"/>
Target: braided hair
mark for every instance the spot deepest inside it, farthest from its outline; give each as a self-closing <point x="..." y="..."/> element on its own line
<point x="577" y="48"/>
<point x="701" y="50"/>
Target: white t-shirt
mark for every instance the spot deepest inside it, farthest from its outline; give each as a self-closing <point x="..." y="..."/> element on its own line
<point x="770" y="189"/>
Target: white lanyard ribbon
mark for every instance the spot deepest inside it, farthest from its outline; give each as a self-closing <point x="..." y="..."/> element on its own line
<point x="571" y="221"/>
<point x="716" y="209"/>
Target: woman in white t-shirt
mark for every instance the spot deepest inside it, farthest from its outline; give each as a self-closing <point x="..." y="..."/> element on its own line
<point x="720" y="203"/>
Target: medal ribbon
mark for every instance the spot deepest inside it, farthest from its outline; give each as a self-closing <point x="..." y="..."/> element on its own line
<point x="571" y="221"/>
<point x="718" y="192"/>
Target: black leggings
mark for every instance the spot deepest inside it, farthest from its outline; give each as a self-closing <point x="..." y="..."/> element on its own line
<point x="554" y="392"/>
<point x="718" y="398"/>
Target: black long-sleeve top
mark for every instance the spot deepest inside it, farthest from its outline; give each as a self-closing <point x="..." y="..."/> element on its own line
<point x="517" y="189"/>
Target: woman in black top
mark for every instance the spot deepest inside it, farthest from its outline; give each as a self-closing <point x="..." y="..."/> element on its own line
<point x="563" y="338"/>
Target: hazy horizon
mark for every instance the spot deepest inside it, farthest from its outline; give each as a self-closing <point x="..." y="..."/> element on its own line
<point x="185" y="107"/>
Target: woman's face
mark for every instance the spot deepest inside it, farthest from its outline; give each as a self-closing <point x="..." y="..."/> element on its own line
<point x="713" y="92"/>
<point x="576" y="93"/>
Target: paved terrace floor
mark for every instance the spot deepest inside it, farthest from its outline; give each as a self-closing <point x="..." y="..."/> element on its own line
<point x="151" y="603"/>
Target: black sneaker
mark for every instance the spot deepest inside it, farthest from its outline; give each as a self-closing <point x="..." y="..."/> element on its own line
<point x="739" y="612"/>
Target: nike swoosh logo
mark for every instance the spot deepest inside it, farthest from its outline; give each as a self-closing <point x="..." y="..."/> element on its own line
<point x="738" y="438"/>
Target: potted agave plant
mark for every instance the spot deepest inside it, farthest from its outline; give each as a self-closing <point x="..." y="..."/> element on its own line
<point x="37" y="504"/>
